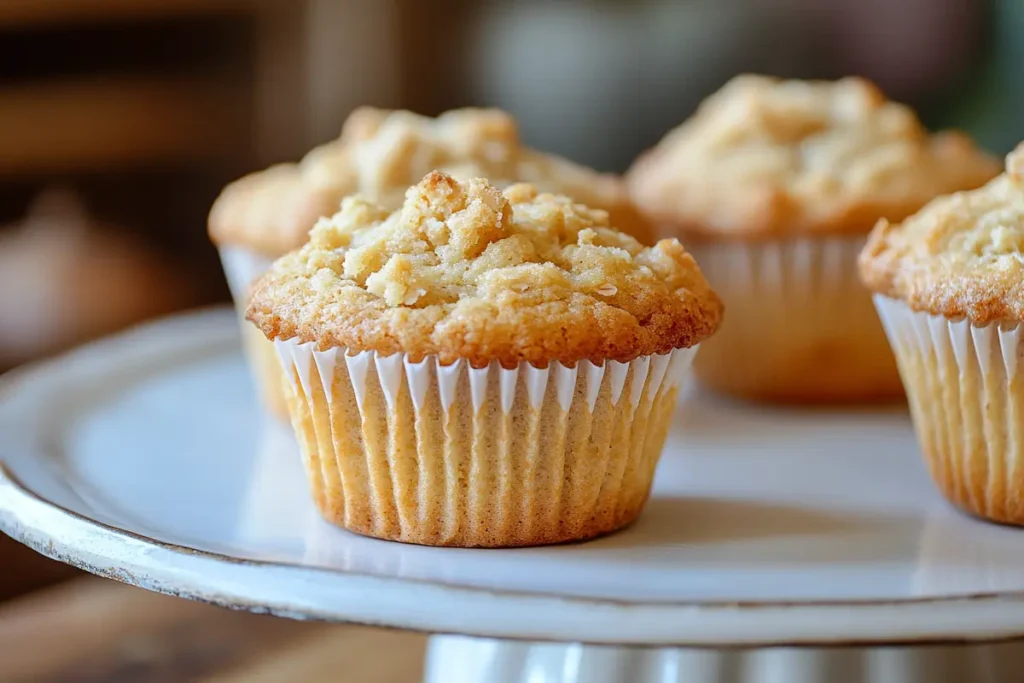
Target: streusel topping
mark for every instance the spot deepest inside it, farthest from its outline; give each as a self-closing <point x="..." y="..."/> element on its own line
<point x="764" y="156"/>
<point x="381" y="153"/>
<point x="960" y="256"/>
<point x="464" y="270"/>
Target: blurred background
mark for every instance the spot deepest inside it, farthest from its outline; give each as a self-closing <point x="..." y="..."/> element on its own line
<point x="120" y="120"/>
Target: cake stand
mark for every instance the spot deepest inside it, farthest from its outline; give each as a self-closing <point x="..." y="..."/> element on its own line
<point x="779" y="546"/>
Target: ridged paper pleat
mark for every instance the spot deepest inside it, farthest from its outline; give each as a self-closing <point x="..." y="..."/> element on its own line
<point x="967" y="401"/>
<point x="242" y="267"/>
<point x="456" y="455"/>
<point x="799" y="326"/>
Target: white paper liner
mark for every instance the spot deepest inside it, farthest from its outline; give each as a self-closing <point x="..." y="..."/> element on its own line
<point x="651" y="375"/>
<point x="799" y="325"/>
<point x="455" y="455"/>
<point x="992" y="350"/>
<point x="967" y="404"/>
<point x="814" y="268"/>
<point x="242" y="267"/>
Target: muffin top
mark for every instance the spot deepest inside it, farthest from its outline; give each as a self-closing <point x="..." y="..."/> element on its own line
<point x="464" y="270"/>
<point x="767" y="157"/>
<point x="380" y="154"/>
<point x="961" y="256"/>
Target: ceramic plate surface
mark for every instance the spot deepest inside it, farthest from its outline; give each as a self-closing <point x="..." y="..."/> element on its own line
<point x="145" y="458"/>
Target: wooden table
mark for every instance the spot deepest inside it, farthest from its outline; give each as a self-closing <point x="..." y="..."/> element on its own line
<point x="92" y="630"/>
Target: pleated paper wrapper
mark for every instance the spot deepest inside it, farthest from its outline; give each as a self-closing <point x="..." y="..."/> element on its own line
<point x="799" y="326"/>
<point x="967" y="402"/>
<point x="453" y="455"/>
<point x="242" y="267"/>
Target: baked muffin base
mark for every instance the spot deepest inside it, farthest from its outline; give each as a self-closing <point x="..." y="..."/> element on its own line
<point x="966" y="396"/>
<point x="456" y="456"/>
<point x="242" y="267"/>
<point x="799" y="327"/>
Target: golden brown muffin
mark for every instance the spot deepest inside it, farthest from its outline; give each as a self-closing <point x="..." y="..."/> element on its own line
<point x="776" y="158"/>
<point x="482" y="368"/>
<point x="774" y="185"/>
<point x="379" y="155"/>
<point x="950" y="289"/>
<point x="960" y="257"/>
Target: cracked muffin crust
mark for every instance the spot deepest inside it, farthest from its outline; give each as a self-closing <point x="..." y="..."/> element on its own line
<point x="380" y="153"/>
<point x="961" y="256"/>
<point x="765" y="157"/>
<point x="464" y="270"/>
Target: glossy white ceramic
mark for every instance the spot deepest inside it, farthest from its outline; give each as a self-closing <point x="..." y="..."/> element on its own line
<point x="460" y="659"/>
<point x="145" y="458"/>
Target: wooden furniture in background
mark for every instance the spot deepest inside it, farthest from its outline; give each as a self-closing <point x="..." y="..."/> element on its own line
<point x="143" y="108"/>
<point x="19" y="13"/>
<point x="97" y="630"/>
<point x="148" y="107"/>
<point x="22" y="570"/>
<point x="93" y="125"/>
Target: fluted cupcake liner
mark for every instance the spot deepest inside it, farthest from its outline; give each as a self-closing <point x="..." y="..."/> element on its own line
<point x="487" y="457"/>
<point x="966" y="396"/>
<point x="800" y="326"/>
<point x="242" y="267"/>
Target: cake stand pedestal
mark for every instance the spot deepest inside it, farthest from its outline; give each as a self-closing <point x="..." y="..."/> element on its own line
<point x="778" y="546"/>
<point x="458" y="659"/>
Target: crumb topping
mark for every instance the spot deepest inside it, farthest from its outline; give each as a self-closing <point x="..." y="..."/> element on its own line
<point x="769" y="156"/>
<point x="960" y="256"/>
<point x="464" y="270"/>
<point x="381" y="153"/>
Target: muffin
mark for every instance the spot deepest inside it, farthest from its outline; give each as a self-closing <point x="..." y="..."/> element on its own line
<point x="949" y="286"/>
<point x="774" y="186"/>
<point x="380" y="154"/>
<point x="482" y="368"/>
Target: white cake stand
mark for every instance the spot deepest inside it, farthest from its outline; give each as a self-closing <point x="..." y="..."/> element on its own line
<point x="779" y="546"/>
